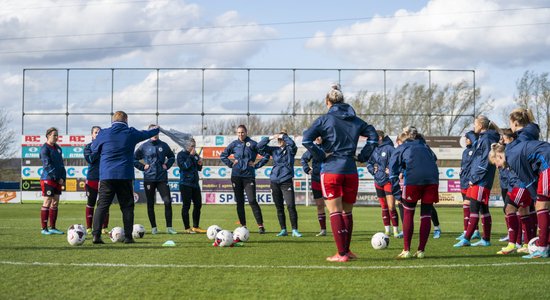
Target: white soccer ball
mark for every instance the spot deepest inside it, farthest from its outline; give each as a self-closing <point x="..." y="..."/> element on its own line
<point x="212" y="231"/>
<point x="138" y="231"/>
<point x="224" y="238"/>
<point x="116" y="234"/>
<point x="241" y="234"/>
<point x="380" y="241"/>
<point x="76" y="235"/>
<point x="532" y="245"/>
<point x="81" y="227"/>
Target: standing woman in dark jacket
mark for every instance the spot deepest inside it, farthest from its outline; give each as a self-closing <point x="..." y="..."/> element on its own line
<point x="52" y="179"/>
<point x="315" y="172"/>
<point x="378" y="167"/>
<point x="340" y="129"/>
<point x="190" y="164"/>
<point x="480" y="181"/>
<point x="157" y="159"/>
<point x="282" y="185"/>
<point x="243" y="174"/>
<point x="465" y="169"/>
<point x="92" y="184"/>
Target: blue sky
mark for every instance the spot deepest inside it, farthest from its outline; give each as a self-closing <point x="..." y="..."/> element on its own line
<point x="498" y="39"/>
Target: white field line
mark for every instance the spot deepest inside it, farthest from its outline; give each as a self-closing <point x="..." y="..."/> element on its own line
<point x="109" y="265"/>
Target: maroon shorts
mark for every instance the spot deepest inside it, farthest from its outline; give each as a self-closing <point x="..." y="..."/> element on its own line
<point x="340" y="185"/>
<point x="543" y="191"/>
<point x="427" y="193"/>
<point x="50" y="188"/>
<point x="383" y="190"/>
<point x="94" y="184"/>
<point x="519" y="197"/>
<point x="478" y="193"/>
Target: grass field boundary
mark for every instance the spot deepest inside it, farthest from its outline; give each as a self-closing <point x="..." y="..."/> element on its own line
<point x="194" y="266"/>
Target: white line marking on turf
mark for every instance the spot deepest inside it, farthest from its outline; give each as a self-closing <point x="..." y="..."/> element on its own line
<point x="109" y="265"/>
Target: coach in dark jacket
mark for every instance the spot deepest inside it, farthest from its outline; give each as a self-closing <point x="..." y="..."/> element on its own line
<point x="157" y="159"/>
<point x="115" y="146"/>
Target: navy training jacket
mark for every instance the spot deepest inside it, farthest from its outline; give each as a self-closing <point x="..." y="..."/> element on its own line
<point x="244" y="152"/>
<point x="482" y="173"/>
<point x="381" y="158"/>
<point x="115" y="146"/>
<point x="528" y="133"/>
<point x="189" y="168"/>
<point x="155" y="154"/>
<point x="340" y="129"/>
<point x="466" y="162"/>
<point x="52" y="163"/>
<point x="416" y="161"/>
<point x="283" y="158"/>
<point x="315" y="166"/>
<point x="93" y="163"/>
<point x="527" y="159"/>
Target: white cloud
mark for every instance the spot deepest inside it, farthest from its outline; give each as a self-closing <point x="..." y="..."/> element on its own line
<point x="443" y="34"/>
<point x="318" y="39"/>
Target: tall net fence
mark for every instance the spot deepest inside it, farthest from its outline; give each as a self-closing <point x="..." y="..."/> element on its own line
<point x="214" y="100"/>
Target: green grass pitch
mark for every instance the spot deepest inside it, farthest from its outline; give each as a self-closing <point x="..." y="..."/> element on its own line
<point x="267" y="267"/>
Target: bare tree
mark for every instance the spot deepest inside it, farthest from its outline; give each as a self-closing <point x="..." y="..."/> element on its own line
<point x="434" y="111"/>
<point x="534" y="93"/>
<point x="7" y="142"/>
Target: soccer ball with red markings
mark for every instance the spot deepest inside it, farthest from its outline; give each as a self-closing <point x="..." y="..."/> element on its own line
<point x="241" y="234"/>
<point x="380" y="241"/>
<point x="116" y="234"/>
<point x="224" y="238"/>
<point x="138" y="231"/>
<point x="212" y="231"/>
<point x="76" y="235"/>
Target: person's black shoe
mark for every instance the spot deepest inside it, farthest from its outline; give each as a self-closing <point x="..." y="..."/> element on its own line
<point x="129" y="241"/>
<point x="261" y="230"/>
<point x="97" y="240"/>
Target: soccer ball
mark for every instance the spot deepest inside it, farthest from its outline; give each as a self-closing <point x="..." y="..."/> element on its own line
<point x="116" y="234"/>
<point x="532" y="245"/>
<point x="241" y="234"/>
<point x="380" y="241"/>
<point x="138" y="231"/>
<point x="76" y="235"/>
<point x="224" y="238"/>
<point x="212" y="231"/>
<point x="81" y="227"/>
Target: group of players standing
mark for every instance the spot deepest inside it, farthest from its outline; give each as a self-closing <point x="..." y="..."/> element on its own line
<point x="523" y="163"/>
<point x="408" y="173"/>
